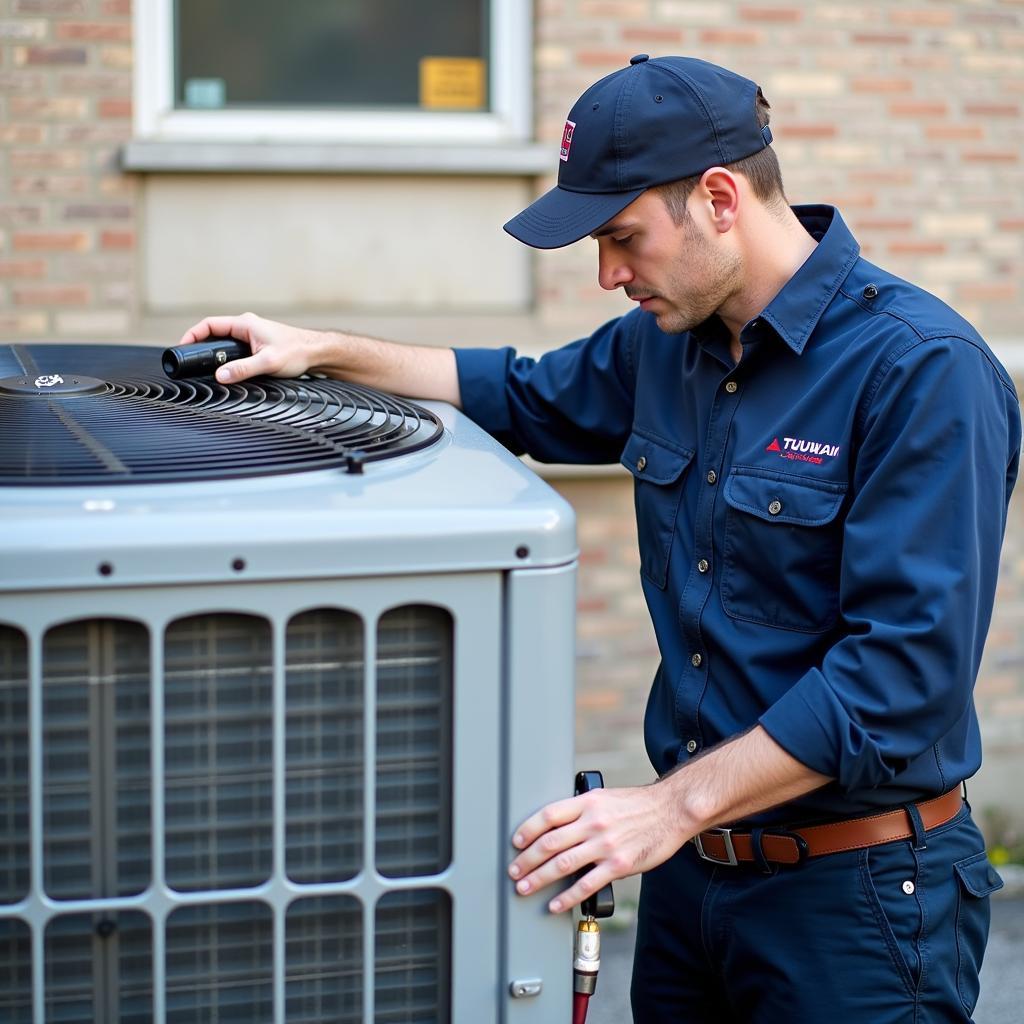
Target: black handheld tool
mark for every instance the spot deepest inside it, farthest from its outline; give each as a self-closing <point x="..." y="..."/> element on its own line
<point x="602" y="903"/>
<point x="202" y="358"/>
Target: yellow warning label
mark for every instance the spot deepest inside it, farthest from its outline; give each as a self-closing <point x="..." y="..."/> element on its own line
<point x="452" y="83"/>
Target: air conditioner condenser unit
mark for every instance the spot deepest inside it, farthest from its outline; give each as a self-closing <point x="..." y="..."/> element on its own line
<point x="282" y="665"/>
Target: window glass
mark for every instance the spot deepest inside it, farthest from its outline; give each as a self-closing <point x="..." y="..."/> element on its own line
<point x="332" y="53"/>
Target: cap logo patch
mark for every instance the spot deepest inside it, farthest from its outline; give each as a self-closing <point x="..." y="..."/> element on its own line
<point x="570" y="127"/>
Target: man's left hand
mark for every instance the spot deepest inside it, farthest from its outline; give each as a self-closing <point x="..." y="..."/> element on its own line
<point x="618" y="831"/>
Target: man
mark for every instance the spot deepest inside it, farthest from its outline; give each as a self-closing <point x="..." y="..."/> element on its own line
<point x="823" y="456"/>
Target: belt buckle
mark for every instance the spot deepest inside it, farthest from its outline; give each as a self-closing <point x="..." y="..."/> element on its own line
<point x="730" y="851"/>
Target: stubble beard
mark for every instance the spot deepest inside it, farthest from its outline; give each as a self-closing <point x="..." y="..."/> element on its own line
<point x="692" y="303"/>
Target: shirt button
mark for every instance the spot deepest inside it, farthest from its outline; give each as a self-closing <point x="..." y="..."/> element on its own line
<point x="731" y="386"/>
<point x="712" y="476"/>
<point x="702" y="565"/>
<point x="691" y="746"/>
<point x="870" y="292"/>
<point x="908" y="887"/>
<point x="641" y="463"/>
<point x="696" y="659"/>
<point x="775" y="507"/>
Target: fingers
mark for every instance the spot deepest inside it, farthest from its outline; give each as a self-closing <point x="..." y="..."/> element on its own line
<point x="237" y="327"/>
<point x="266" y="361"/>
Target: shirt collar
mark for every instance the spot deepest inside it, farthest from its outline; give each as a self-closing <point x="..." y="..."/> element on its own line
<point x="796" y="310"/>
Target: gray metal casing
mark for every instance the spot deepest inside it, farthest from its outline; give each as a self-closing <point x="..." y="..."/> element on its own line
<point x="463" y="525"/>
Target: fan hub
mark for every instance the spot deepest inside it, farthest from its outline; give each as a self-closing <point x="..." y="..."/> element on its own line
<point x="52" y="385"/>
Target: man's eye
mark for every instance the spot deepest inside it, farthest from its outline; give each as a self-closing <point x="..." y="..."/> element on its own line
<point x="624" y="240"/>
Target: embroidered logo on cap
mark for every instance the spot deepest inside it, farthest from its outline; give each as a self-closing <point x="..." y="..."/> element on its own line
<point x="570" y="127"/>
<point x="799" y="450"/>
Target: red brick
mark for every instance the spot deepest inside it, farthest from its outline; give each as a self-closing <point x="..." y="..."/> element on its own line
<point x="46" y="159"/>
<point x="786" y="15"/>
<point x="881" y="85"/>
<point x="604" y="58"/>
<point x="653" y="34"/>
<point x="117" y="239"/>
<point x="53" y="295"/>
<point x="91" y="134"/>
<point x="23" y="268"/>
<point x="115" y="107"/>
<point x="49" y="108"/>
<point x="884" y="224"/>
<point x="992" y="109"/>
<point x="22" y="134"/>
<point x="18" y="214"/>
<point x="807" y="131"/>
<point x="102" y="82"/>
<point x="19" y="81"/>
<point x="50" y="55"/>
<point x="917" y="248"/>
<point x="881" y="38"/>
<point x="988" y="291"/>
<point x="98" y="211"/>
<point x="992" y="156"/>
<point x="114" y="8"/>
<point x="883" y="176"/>
<point x="730" y="37"/>
<point x="50" y="184"/>
<point x="918" y="108"/>
<point x="919" y="17"/>
<point x="51" y="241"/>
<point x="1011" y="224"/>
<point x="954" y="131"/>
<point x="94" y="31"/>
<point x="49" y="6"/>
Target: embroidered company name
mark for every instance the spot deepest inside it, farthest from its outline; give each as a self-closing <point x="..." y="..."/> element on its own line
<point x="799" y="450"/>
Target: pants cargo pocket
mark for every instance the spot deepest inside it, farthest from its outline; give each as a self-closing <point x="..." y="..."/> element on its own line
<point x="977" y="881"/>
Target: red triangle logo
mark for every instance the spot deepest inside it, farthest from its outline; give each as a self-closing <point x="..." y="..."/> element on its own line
<point x="774" y="446"/>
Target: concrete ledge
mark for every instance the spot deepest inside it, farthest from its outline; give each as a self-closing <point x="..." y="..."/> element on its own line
<point x="151" y="155"/>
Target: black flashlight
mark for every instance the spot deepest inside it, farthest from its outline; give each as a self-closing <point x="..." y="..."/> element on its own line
<point x="202" y="358"/>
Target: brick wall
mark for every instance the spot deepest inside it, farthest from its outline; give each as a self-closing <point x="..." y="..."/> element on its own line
<point x="907" y="115"/>
<point x="67" y="215"/>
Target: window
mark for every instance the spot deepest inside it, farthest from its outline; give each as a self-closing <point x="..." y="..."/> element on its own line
<point x="377" y="71"/>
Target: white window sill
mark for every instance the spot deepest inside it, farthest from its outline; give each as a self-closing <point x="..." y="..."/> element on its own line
<point x="152" y="155"/>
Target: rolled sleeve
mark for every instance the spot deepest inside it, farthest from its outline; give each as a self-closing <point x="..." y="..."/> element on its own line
<point x="574" y="404"/>
<point x="938" y="454"/>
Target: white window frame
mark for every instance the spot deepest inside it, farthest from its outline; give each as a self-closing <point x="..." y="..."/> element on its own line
<point x="509" y="120"/>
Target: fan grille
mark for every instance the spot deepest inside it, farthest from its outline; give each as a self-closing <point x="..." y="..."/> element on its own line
<point x="134" y="425"/>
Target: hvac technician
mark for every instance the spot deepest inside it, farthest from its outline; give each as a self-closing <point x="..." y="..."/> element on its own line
<point x="823" y="456"/>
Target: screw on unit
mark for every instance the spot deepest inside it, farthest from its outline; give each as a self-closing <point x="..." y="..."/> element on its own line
<point x="105" y="928"/>
<point x="354" y="462"/>
<point x="525" y="988"/>
<point x="238" y="564"/>
<point x="105" y="569"/>
<point x="522" y="551"/>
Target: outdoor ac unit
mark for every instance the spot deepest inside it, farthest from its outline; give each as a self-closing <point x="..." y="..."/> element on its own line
<point x="282" y="665"/>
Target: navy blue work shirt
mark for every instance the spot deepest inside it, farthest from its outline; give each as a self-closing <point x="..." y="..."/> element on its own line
<point x="819" y="524"/>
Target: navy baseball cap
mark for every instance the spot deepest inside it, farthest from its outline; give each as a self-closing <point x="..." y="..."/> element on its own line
<point x="656" y="121"/>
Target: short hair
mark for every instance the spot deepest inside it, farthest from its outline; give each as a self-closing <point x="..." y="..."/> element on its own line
<point x="761" y="169"/>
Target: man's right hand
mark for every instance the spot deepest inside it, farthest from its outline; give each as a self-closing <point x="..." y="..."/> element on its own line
<point x="278" y="350"/>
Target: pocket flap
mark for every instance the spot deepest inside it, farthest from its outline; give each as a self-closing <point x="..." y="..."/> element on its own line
<point x="654" y="461"/>
<point x="977" y="875"/>
<point x="783" y="499"/>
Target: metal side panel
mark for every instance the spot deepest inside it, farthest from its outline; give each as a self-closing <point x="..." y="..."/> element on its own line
<point x="397" y="918"/>
<point x="540" y="712"/>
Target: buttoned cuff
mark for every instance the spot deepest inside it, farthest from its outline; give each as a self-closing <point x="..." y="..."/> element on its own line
<point x="483" y="373"/>
<point x="812" y="725"/>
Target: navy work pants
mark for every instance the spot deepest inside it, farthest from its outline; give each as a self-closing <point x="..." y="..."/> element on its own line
<point x="893" y="933"/>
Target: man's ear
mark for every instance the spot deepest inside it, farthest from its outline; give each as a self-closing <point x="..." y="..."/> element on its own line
<point x="720" y="195"/>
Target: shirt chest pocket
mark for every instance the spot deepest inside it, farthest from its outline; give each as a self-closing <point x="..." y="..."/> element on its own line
<point x="658" y="474"/>
<point x="783" y="549"/>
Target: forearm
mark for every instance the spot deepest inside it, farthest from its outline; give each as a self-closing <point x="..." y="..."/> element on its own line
<point x="741" y="777"/>
<point x="417" y="371"/>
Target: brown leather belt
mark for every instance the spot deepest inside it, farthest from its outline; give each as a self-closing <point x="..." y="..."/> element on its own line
<point x="793" y="845"/>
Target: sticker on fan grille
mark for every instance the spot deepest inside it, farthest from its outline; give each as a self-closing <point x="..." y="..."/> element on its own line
<point x="49" y="380"/>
